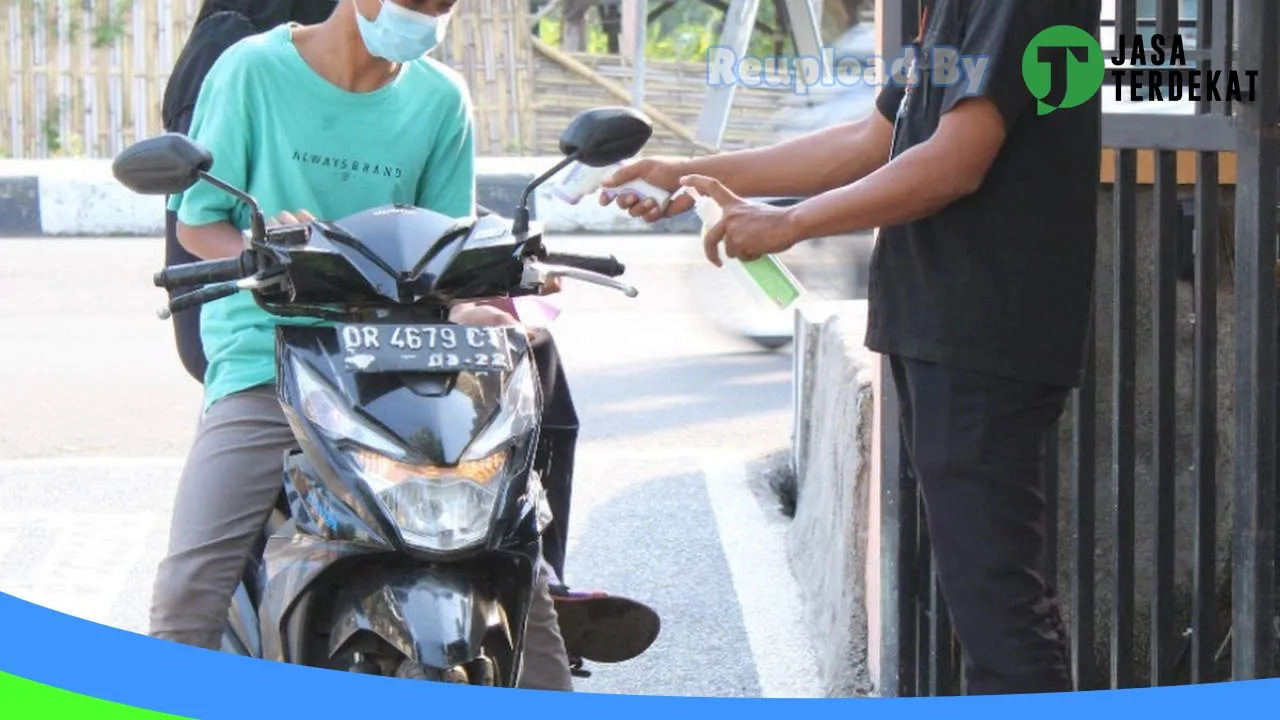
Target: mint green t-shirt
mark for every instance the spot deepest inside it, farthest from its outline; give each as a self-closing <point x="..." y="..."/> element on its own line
<point x="295" y="141"/>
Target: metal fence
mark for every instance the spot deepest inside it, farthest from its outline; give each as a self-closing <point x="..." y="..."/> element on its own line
<point x="1162" y="475"/>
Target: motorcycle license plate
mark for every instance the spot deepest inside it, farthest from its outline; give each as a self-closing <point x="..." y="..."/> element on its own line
<point x="424" y="348"/>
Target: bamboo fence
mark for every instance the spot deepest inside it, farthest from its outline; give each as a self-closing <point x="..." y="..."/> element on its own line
<point x="488" y="42"/>
<point x="673" y="92"/>
<point x="69" y="88"/>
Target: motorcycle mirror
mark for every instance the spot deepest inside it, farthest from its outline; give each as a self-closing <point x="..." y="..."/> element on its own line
<point x="163" y="165"/>
<point x="604" y="136"/>
<point x="171" y="163"/>
<point x="596" y="137"/>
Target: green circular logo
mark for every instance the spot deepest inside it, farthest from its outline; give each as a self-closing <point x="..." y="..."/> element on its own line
<point x="1063" y="67"/>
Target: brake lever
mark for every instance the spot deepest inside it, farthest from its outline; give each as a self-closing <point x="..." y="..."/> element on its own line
<point x="538" y="273"/>
<point x="254" y="282"/>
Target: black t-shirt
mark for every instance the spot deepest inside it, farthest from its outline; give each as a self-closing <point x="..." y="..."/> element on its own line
<point x="1000" y="281"/>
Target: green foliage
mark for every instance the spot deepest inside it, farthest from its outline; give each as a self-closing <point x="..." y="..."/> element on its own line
<point x="108" y="20"/>
<point x="112" y="25"/>
<point x="104" y="22"/>
<point x="55" y="143"/>
<point x="52" y="136"/>
<point x="684" y="33"/>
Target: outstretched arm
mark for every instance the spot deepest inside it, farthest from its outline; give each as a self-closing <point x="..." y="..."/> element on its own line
<point x="953" y="163"/>
<point x="803" y="166"/>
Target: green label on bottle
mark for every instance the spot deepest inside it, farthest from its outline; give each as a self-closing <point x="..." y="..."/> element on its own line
<point x="774" y="280"/>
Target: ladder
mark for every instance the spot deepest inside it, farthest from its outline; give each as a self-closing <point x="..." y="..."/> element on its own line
<point x="740" y="20"/>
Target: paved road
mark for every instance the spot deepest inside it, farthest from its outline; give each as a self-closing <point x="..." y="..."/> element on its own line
<point x="97" y="414"/>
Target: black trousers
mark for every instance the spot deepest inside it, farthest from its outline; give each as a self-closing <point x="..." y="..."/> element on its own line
<point x="974" y="441"/>
<point x="186" y="324"/>
<point x="558" y="438"/>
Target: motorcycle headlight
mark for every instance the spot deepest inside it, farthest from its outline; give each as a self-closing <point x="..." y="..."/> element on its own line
<point x="450" y="507"/>
<point x="517" y="416"/>
<point x="325" y="408"/>
<point x="435" y="507"/>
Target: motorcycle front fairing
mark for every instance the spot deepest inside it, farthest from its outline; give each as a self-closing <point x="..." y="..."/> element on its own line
<point x="439" y="615"/>
<point x="242" y="636"/>
<point x="355" y="425"/>
<point x="336" y="583"/>
<point x="439" y="608"/>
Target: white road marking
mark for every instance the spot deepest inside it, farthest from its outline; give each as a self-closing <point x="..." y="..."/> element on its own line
<point x="767" y="592"/>
<point x="39" y="464"/>
<point x="585" y="452"/>
<point x="8" y="539"/>
<point x="93" y="555"/>
<point x="86" y="567"/>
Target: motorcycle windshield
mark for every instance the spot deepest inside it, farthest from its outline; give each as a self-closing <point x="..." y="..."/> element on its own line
<point x="399" y="236"/>
<point x="401" y="254"/>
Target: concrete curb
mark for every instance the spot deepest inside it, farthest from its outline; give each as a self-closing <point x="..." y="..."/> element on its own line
<point x="65" y="197"/>
<point x="827" y="543"/>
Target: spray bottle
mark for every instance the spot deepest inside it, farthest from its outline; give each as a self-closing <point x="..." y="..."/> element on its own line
<point x="766" y="278"/>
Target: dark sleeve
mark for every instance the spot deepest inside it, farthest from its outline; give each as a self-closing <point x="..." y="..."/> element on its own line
<point x="893" y="92"/>
<point x="1000" y="31"/>
<point x="221" y="123"/>
<point x="889" y="99"/>
<point x="209" y="39"/>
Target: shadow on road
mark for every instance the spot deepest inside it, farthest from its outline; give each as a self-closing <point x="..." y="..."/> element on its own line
<point x="669" y="394"/>
<point x="656" y="541"/>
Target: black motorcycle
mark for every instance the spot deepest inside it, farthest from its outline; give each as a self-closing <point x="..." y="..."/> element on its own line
<point x="411" y="531"/>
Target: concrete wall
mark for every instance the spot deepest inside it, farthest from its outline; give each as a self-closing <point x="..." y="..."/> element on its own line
<point x="827" y="540"/>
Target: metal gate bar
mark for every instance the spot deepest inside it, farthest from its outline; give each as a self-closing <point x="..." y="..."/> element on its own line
<point x="1123" y="370"/>
<point x="1253" y="639"/>
<point x="1164" y="310"/>
<point x="1084" y="669"/>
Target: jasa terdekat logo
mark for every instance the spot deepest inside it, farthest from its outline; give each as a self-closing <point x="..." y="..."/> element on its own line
<point x="1064" y="67"/>
<point x="1155" y="70"/>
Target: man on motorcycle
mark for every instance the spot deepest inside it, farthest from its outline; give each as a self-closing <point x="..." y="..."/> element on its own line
<point x="329" y="119"/>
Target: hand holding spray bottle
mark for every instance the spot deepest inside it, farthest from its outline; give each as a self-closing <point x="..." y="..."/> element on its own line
<point x="766" y="278"/>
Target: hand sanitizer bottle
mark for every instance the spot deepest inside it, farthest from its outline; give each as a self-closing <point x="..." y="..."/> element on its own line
<point x="766" y="278"/>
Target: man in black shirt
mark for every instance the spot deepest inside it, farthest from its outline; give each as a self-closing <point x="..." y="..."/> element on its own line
<point x="980" y="297"/>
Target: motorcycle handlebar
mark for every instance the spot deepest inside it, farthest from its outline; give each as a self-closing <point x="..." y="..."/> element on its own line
<point x="205" y="272"/>
<point x="223" y="278"/>
<point x="200" y="297"/>
<point x="606" y="265"/>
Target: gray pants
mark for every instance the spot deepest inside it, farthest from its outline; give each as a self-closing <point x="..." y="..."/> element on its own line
<point x="228" y="488"/>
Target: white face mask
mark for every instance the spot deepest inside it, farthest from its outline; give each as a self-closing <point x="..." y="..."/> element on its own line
<point x="399" y="34"/>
